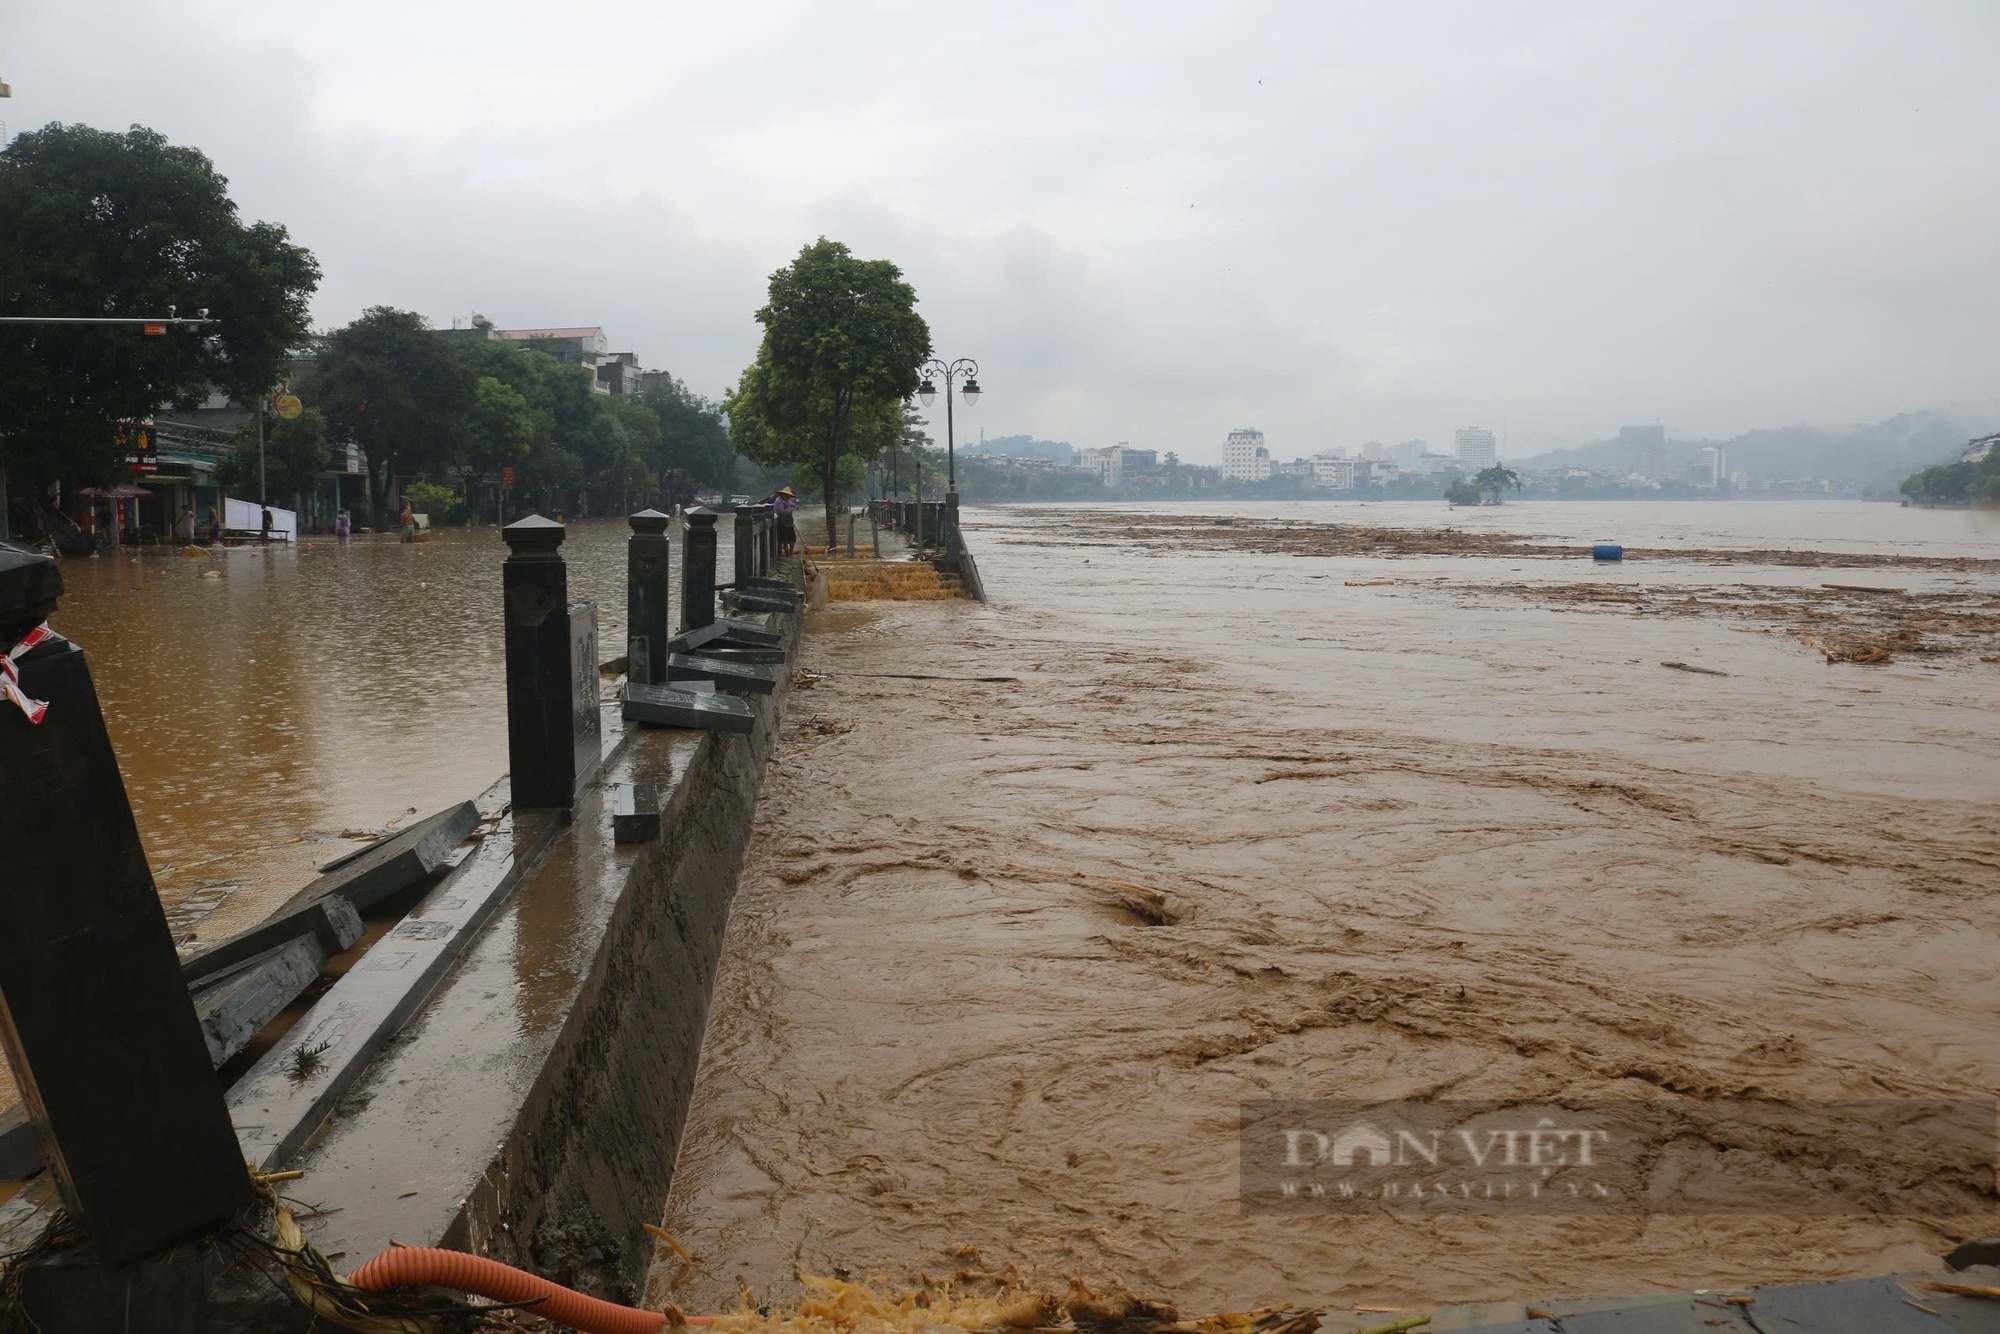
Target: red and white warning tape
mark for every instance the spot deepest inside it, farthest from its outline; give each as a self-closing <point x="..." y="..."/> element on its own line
<point x="10" y="675"/>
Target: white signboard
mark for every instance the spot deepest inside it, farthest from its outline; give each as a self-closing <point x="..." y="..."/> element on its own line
<point x="249" y="515"/>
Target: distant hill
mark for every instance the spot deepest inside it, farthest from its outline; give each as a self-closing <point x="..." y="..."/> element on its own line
<point x="1882" y="453"/>
<point x="1025" y="447"/>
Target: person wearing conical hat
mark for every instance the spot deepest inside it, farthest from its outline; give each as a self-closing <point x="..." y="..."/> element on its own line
<point x="783" y="503"/>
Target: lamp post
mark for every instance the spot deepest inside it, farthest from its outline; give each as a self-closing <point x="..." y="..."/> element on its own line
<point x="964" y="368"/>
<point x="968" y="369"/>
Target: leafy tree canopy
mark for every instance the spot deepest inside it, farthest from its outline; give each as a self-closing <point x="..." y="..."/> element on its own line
<point x="1957" y="483"/>
<point x="502" y="427"/>
<point x="94" y="223"/>
<point x="396" y="390"/>
<point x="1490" y="482"/>
<point x="693" y="451"/>
<point x="294" y="453"/>
<point x="842" y="343"/>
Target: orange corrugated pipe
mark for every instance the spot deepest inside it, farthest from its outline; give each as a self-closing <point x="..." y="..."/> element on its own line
<point x="403" y="1266"/>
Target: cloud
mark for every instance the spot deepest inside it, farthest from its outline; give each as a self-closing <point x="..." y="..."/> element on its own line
<point x="1148" y="223"/>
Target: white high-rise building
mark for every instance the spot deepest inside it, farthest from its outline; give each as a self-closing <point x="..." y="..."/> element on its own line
<point x="1109" y="463"/>
<point x="1244" y="457"/>
<point x="1332" y="471"/>
<point x="1476" y="449"/>
<point x="1717" y="462"/>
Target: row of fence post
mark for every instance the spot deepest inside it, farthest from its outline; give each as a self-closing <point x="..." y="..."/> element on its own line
<point x="95" y="1014"/>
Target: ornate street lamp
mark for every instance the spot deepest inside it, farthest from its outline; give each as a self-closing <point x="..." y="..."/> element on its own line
<point x="966" y="369"/>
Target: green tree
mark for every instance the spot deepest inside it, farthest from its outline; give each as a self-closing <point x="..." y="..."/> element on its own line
<point x="1462" y="492"/>
<point x="573" y="441"/>
<point x="431" y="500"/>
<point x="1492" y="481"/>
<point x="294" y="453"/>
<point x="692" y="451"/>
<point x="125" y="225"/>
<point x="394" y="388"/>
<point x="501" y="428"/>
<point x="842" y="343"/>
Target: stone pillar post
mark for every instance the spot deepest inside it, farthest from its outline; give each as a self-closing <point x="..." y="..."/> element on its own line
<point x="553" y="730"/>
<point x="770" y="538"/>
<point x="697" y="568"/>
<point x="94" y="1012"/>
<point x="648" y="620"/>
<point x="744" y="531"/>
<point x="951" y="524"/>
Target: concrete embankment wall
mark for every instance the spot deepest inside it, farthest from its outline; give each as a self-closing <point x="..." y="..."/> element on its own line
<point x="532" y="1111"/>
<point x="591" y="1155"/>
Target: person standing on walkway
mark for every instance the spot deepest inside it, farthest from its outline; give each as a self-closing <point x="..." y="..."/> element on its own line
<point x="185" y="525"/>
<point x="782" y="504"/>
<point x="342" y="526"/>
<point x="214" y="526"/>
<point x="267" y="523"/>
<point x="407" y="522"/>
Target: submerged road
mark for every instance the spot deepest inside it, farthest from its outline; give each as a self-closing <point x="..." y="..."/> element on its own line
<point x="1008" y="957"/>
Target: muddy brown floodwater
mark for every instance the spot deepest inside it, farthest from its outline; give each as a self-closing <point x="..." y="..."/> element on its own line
<point x="1009" y="956"/>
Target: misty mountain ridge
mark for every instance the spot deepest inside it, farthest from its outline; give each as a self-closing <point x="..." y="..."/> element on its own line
<point x="1882" y="452"/>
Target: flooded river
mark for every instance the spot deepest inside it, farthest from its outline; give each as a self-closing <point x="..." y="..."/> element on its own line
<point x="1262" y="812"/>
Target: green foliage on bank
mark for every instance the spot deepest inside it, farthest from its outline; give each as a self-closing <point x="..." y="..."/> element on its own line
<point x="445" y="408"/>
<point x="99" y="224"/>
<point x="1957" y="483"/>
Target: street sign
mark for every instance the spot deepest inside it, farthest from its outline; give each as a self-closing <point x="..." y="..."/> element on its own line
<point x="287" y="406"/>
<point x="153" y="330"/>
<point x="140" y="439"/>
<point x="507" y="476"/>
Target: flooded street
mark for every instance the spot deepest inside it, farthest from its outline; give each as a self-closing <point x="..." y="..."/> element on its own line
<point x="270" y="716"/>
<point x="1265" y="815"/>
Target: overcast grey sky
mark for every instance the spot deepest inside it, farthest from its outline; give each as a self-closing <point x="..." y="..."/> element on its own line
<point x="1149" y="222"/>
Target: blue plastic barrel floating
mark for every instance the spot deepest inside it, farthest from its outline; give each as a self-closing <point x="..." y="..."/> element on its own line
<point x="1607" y="551"/>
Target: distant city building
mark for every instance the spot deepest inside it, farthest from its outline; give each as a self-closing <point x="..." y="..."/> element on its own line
<point x="583" y="345"/>
<point x="1140" y="460"/>
<point x="1714" y="465"/>
<point x="1108" y="463"/>
<point x="1980" y="450"/>
<point x="1644" y="450"/>
<point x="1374" y="449"/>
<point x="1296" y="468"/>
<point x="1333" y="472"/>
<point x="578" y="342"/>
<point x="1244" y="457"/>
<point x="1409" y="452"/>
<point x="1476" y="449"/>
